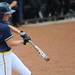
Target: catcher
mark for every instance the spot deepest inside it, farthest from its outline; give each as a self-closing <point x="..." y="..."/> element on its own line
<point x="8" y="60"/>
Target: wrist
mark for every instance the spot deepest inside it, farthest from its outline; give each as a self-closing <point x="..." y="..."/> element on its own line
<point x="22" y="33"/>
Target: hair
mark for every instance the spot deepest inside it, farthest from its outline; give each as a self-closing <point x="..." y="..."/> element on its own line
<point x="1" y="16"/>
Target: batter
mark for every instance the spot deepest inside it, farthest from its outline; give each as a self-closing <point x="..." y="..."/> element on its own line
<point x="8" y="60"/>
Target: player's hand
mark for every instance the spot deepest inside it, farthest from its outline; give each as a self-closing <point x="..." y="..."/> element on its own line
<point x="25" y="37"/>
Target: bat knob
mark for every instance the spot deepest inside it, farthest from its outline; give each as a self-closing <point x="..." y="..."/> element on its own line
<point x="45" y="56"/>
<point x="47" y="59"/>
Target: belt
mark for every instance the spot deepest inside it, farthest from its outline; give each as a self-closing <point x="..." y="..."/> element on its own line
<point x="5" y="52"/>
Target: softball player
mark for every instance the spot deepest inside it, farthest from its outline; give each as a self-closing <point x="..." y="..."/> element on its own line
<point x="8" y="60"/>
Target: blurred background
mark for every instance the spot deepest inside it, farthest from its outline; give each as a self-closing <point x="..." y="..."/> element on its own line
<point x="34" y="11"/>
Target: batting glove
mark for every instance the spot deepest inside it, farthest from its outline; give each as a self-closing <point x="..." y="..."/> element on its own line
<point x="25" y="37"/>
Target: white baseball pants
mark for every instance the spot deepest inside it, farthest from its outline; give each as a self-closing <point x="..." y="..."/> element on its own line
<point x="9" y="61"/>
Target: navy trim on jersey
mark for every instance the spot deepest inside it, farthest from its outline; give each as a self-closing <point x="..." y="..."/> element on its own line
<point x="8" y="38"/>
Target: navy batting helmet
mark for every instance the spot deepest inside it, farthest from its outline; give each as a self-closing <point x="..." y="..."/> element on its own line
<point x="5" y="8"/>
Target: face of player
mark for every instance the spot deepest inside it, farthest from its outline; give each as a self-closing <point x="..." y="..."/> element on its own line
<point x="6" y="17"/>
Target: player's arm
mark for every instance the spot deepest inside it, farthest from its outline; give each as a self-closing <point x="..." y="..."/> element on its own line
<point x="13" y="4"/>
<point x="11" y="42"/>
<point x="7" y="36"/>
<point x="23" y="35"/>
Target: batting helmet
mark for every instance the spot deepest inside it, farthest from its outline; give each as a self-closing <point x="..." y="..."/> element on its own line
<point x="5" y="8"/>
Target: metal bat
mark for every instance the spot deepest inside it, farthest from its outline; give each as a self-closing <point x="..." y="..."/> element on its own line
<point x="40" y="51"/>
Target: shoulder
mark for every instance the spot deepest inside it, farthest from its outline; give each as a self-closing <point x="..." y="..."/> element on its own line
<point x="5" y="31"/>
<point x="4" y="27"/>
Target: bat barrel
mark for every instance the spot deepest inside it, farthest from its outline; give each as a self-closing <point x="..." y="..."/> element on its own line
<point x="40" y="51"/>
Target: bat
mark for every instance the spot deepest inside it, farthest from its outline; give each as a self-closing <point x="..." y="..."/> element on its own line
<point x="39" y="50"/>
<point x="14" y="29"/>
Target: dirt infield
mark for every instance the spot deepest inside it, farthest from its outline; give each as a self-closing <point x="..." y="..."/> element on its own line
<point x="58" y="41"/>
